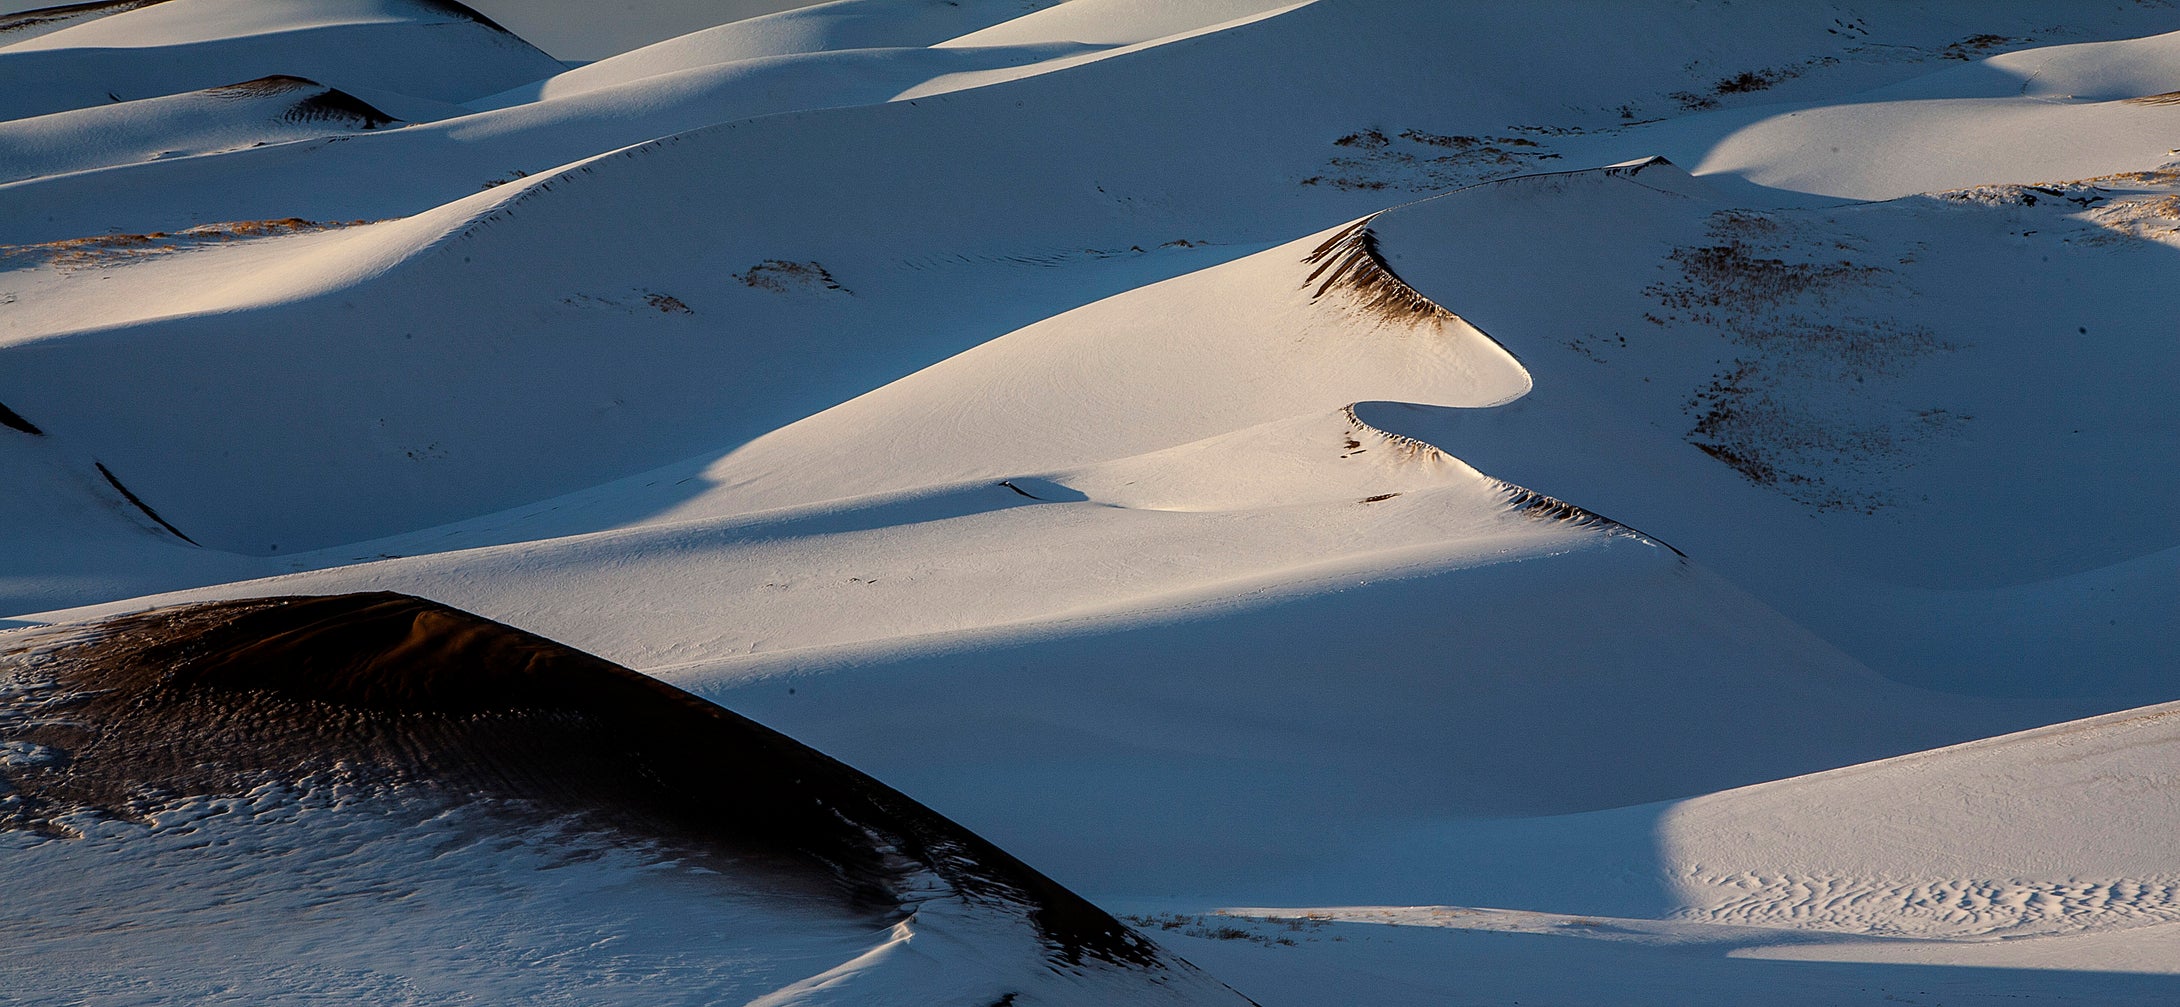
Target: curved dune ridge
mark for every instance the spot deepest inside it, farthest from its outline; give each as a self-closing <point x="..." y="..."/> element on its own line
<point x="327" y="105"/>
<point x="1349" y="262"/>
<point x="404" y="695"/>
<point x="1520" y="499"/>
<point x="1134" y="473"/>
<point x="258" y="113"/>
<point x="462" y="11"/>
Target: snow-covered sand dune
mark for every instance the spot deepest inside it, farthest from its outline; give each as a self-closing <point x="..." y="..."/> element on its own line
<point x="2042" y="851"/>
<point x="1460" y="478"/>
<point x="1866" y="413"/>
<point x="411" y="742"/>
<point x="432" y="49"/>
<point x="250" y="113"/>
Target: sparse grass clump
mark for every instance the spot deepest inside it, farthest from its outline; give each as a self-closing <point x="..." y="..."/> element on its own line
<point x="1977" y="45"/>
<point x="1419" y="161"/>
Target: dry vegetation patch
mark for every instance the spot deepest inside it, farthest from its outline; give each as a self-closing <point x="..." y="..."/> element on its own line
<point x="1415" y="161"/>
<point x="110" y="249"/>
<point x="1792" y="410"/>
<point x="633" y="302"/>
<point x="781" y="276"/>
<point x="1978" y="45"/>
<point x="1744" y="82"/>
<point x="1349" y="263"/>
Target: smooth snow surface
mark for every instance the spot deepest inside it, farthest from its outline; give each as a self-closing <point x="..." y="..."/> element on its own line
<point x="1656" y="502"/>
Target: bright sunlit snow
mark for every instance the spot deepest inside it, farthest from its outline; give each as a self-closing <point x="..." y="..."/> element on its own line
<point x="1400" y="501"/>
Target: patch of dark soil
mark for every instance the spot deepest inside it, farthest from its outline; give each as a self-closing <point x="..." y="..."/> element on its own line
<point x="105" y="249"/>
<point x="400" y="692"/>
<point x="1734" y="275"/>
<point x="1797" y="409"/>
<point x="668" y="304"/>
<point x="1418" y="161"/>
<point x="1744" y="82"/>
<point x="1978" y="45"/>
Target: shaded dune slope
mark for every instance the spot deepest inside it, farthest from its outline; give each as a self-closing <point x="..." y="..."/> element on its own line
<point x="463" y="12"/>
<point x="405" y="693"/>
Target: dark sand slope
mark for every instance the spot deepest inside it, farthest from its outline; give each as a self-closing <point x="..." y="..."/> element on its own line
<point x="314" y="102"/>
<point x="402" y="697"/>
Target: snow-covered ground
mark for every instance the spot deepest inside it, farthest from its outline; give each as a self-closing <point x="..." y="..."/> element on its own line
<point x="1408" y="501"/>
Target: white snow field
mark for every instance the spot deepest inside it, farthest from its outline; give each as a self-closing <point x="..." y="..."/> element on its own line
<point x="1404" y="501"/>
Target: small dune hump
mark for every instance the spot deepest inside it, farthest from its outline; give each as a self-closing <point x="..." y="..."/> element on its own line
<point x="461" y="11"/>
<point x="1630" y="169"/>
<point x="402" y="696"/>
<point x="1520" y="499"/>
<point x="315" y="104"/>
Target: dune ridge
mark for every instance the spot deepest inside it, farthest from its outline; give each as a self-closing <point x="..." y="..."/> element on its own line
<point x="398" y="691"/>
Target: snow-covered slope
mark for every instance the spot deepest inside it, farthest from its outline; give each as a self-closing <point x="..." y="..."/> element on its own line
<point x="2054" y="834"/>
<point x="573" y="30"/>
<point x="838" y="27"/>
<point x="326" y="790"/>
<point x="1355" y="453"/>
<point x="433" y="49"/>
<point x="248" y="114"/>
<point x="1877" y="411"/>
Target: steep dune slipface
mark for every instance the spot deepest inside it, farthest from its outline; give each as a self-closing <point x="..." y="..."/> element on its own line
<point x="291" y="724"/>
<point x="1303" y="328"/>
